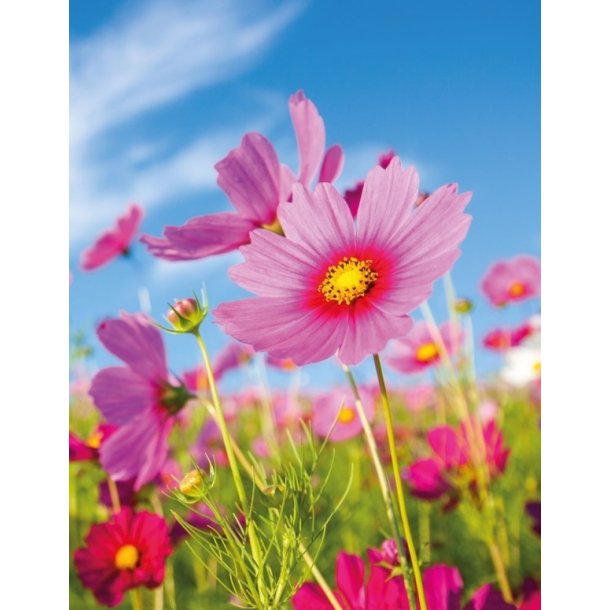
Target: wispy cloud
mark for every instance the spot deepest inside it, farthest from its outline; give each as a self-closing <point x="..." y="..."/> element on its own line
<point x="140" y="62"/>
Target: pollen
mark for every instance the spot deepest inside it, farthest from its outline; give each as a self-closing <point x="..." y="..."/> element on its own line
<point x="517" y="289"/>
<point x="346" y="415"/>
<point x="126" y="557"/>
<point x="348" y="280"/>
<point x="95" y="440"/>
<point x="426" y="352"/>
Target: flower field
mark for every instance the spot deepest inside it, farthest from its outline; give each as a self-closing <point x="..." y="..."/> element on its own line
<point x="417" y="486"/>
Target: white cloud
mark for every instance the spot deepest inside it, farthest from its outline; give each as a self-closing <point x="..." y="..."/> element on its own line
<point x="138" y="63"/>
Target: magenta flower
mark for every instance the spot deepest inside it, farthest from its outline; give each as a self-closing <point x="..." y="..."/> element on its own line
<point x="419" y="351"/>
<point x="451" y="468"/>
<point x="420" y="397"/>
<point x="126" y="552"/>
<point x="335" y="286"/>
<point x="113" y="242"/>
<point x="335" y="411"/>
<point x="141" y="398"/>
<point x="380" y="592"/>
<point x="512" y="280"/>
<point x="256" y="183"/>
<point x="501" y="339"/>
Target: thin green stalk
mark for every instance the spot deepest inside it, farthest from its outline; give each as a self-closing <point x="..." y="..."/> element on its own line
<point x="239" y="485"/>
<point x="419" y="585"/>
<point x="136" y="599"/>
<point x="383" y="482"/>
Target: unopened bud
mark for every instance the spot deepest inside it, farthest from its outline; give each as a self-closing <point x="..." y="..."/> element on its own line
<point x="186" y="315"/>
<point x="190" y="482"/>
<point x="463" y="306"/>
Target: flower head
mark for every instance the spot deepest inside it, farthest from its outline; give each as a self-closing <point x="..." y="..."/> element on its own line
<point x="512" y="280"/>
<point x="256" y="183"/>
<point x="115" y="241"/>
<point x="140" y="398"/>
<point x="419" y="350"/>
<point x="335" y="415"/>
<point x="126" y="552"/>
<point x="345" y="286"/>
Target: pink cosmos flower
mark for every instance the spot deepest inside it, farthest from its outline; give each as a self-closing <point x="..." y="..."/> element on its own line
<point x="114" y="242"/>
<point x="141" y="398"/>
<point x="88" y="449"/>
<point x="501" y="339"/>
<point x="126" y="552"/>
<point x="451" y="467"/>
<point x="335" y="412"/>
<point x="332" y="285"/>
<point x="512" y="280"/>
<point x="256" y="183"/>
<point x="419" y="351"/>
<point x="284" y="364"/>
<point x="420" y="397"/>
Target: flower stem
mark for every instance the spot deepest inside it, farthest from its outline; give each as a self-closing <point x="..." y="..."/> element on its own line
<point x="136" y="599"/>
<point x="496" y="558"/>
<point x="419" y="585"/>
<point x="383" y="482"/>
<point x="114" y="496"/>
<point x="239" y="485"/>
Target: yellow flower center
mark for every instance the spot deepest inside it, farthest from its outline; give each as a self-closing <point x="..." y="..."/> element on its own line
<point x="274" y="227"/>
<point x="190" y="482"/>
<point x="426" y="352"/>
<point x="537" y="367"/>
<point x="348" y="280"/>
<point x="346" y="415"/>
<point x="126" y="557"/>
<point x="517" y="289"/>
<point x="94" y="441"/>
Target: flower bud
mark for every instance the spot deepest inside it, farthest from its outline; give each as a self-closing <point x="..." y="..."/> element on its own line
<point x="190" y="482"/>
<point x="186" y="315"/>
<point x="463" y="306"/>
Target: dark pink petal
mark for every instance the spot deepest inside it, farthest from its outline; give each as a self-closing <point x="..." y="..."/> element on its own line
<point x="332" y="164"/>
<point x="488" y="598"/>
<point x="388" y="197"/>
<point x="448" y="446"/>
<point x="310" y="133"/>
<point x="532" y="602"/>
<point x="310" y="597"/>
<point x="384" y="593"/>
<point x="120" y="394"/>
<point x="201" y="237"/>
<point x="250" y="177"/>
<point x="137" y="450"/>
<point x="425" y="478"/>
<point x="320" y="222"/>
<point x="350" y="579"/>
<point x="443" y="587"/>
<point x="79" y="451"/>
<point x="138" y="343"/>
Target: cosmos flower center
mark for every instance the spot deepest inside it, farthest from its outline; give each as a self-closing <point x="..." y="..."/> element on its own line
<point x="426" y="352"/>
<point x="274" y="227"/>
<point x="537" y="367"/>
<point x="517" y="289"/>
<point x="346" y="415"/>
<point x="126" y="557"/>
<point x="348" y="280"/>
<point x="94" y="441"/>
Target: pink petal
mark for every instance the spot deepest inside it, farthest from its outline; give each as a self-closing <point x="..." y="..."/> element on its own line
<point x="332" y="164"/>
<point x="120" y="394"/>
<point x="162" y="248"/>
<point x="488" y="598"/>
<point x="384" y="593"/>
<point x="310" y="134"/>
<point x="138" y="449"/>
<point x="425" y="478"/>
<point x="250" y="177"/>
<point x="388" y="197"/>
<point x="350" y="579"/>
<point x="310" y="597"/>
<point x="138" y="343"/>
<point x="448" y="446"/>
<point x="320" y="222"/>
<point x="443" y="587"/>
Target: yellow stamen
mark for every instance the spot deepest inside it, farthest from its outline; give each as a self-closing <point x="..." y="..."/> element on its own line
<point x="190" y="482"/>
<point x="126" y="557"/>
<point x="274" y="227"/>
<point x="426" y="352"/>
<point x="94" y="441"/>
<point x="517" y="290"/>
<point x="537" y="367"/>
<point x="346" y="415"/>
<point x="348" y="280"/>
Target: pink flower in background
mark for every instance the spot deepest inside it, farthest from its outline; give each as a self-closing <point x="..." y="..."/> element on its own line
<point x="354" y="591"/>
<point x="345" y="287"/>
<point x="141" y="398"/>
<point x="113" y="242"/>
<point x="419" y="351"/>
<point x="88" y="449"/>
<point x="512" y="280"/>
<point x="501" y="339"/>
<point x="126" y="552"/>
<point x="256" y="183"/>
<point x="284" y="364"/>
<point x="420" y="397"/>
<point x="451" y="466"/>
<point x="336" y="411"/>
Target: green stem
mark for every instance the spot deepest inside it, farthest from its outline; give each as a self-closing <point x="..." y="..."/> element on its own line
<point x="383" y="482"/>
<point x="419" y="585"/>
<point x="136" y="599"/>
<point x="239" y="485"/>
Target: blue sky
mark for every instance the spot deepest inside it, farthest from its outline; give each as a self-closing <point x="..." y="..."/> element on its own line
<point x="160" y="91"/>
